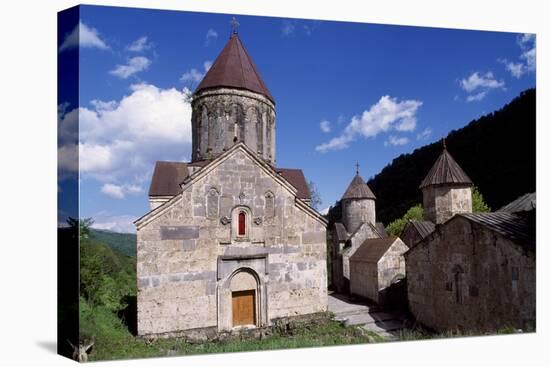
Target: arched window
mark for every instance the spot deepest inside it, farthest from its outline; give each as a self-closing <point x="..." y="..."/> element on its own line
<point x="458" y="273"/>
<point x="269" y="205"/>
<point x="242" y="223"/>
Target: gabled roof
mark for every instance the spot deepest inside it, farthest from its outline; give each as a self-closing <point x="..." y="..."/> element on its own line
<point x="445" y="171"/>
<point x="373" y="249"/>
<point x="296" y="177"/>
<point x="166" y="178"/>
<point x="341" y="233"/>
<point x="524" y="203"/>
<point x="234" y="68"/>
<point x="267" y="168"/>
<point x="423" y="227"/>
<point x="516" y="227"/>
<point x="358" y="189"/>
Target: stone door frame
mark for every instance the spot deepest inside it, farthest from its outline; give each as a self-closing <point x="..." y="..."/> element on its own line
<point x="228" y="267"/>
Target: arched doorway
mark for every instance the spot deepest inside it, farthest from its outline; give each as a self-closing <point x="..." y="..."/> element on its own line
<point x="244" y="298"/>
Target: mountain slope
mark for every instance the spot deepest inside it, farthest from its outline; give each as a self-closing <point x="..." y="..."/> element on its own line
<point x="121" y="242"/>
<point x="497" y="151"/>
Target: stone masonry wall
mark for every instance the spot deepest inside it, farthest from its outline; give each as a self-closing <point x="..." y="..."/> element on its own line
<point x="443" y="202"/>
<point x="179" y="250"/>
<point x="364" y="279"/>
<point x="465" y="276"/>
<point x="357" y="211"/>
<point x="392" y="264"/>
<point x="222" y="117"/>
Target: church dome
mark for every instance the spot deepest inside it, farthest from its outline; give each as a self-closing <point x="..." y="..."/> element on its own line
<point x="358" y="189"/>
<point x="234" y="68"/>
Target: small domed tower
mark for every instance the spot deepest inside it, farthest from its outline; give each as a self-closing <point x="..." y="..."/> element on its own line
<point x="358" y="204"/>
<point x="232" y="104"/>
<point x="446" y="190"/>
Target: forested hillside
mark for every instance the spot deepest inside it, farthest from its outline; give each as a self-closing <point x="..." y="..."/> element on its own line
<point x="497" y="151"/>
<point x="124" y="243"/>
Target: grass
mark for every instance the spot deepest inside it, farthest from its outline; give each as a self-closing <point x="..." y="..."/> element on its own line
<point x="114" y="341"/>
<point x="420" y="333"/>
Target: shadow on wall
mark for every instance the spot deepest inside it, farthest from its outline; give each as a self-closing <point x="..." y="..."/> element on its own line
<point x="395" y="296"/>
<point x="128" y="315"/>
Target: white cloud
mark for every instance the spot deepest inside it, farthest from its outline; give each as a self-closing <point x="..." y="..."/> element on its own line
<point x="517" y="69"/>
<point x="325" y="126"/>
<point x="211" y="35"/>
<point x="480" y="81"/>
<point x="194" y="75"/>
<point x="112" y="190"/>
<point x="84" y="36"/>
<point x="325" y="210"/>
<point x="395" y="141"/>
<point x="385" y="115"/>
<point x="139" y="45"/>
<point x="120" y="191"/>
<point x="476" y="97"/>
<point x="121" y="140"/>
<point x="115" y="223"/>
<point x="288" y="27"/>
<point x="135" y="65"/>
<point x="425" y="134"/>
<point x="478" y="85"/>
<point x="527" y="58"/>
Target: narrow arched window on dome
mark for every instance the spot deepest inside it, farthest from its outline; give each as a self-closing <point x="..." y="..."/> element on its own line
<point x="242" y="224"/>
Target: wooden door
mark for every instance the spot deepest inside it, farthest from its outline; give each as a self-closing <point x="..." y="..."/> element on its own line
<point x="244" y="310"/>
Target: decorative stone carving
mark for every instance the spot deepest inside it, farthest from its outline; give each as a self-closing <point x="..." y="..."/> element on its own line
<point x="258" y="221"/>
<point x="225" y="220"/>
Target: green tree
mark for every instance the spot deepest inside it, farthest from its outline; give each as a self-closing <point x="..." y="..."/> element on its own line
<point x="83" y="225"/>
<point x="478" y="202"/>
<point x="315" y="196"/>
<point x="414" y="213"/>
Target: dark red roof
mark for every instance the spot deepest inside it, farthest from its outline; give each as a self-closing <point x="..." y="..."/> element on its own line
<point x="166" y="178"/>
<point x="234" y="69"/>
<point x="297" y="179"/>
<point x="445" y="171"/>
<point x="358" y="189"/>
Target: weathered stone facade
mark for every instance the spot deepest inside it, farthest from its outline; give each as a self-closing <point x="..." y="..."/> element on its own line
<point x="375" y="266"/>
<point x="358" y="211"/>
<point x="466" y="276"/>
<point x="443" y="202"/>
<point x="223" y="117"/>
<point x="192" y="257"/>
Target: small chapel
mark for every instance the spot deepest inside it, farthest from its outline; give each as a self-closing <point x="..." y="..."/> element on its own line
<point x="231" y="241"/>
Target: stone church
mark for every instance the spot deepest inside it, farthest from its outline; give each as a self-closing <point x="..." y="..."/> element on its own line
<point x="470" y="271"/>
<point x="354" y="222"/>
<point x="230" y="241"/>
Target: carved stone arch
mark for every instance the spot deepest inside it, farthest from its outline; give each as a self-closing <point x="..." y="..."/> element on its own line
<point x="269" y="204"/>
<point x="246" y="274"/>
<point x="252" y="116"/>
<point x="202" y="128"/>
<point x="213" y="203"/>
<point x="236" y="116"/>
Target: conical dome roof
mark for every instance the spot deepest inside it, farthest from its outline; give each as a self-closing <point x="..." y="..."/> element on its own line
<point x="358" y="189"/>
<point x="445" y="171"/>
<point x="234" y="69"/>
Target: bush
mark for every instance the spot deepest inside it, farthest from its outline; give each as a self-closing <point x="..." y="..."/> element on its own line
<point x="414" y="213"/>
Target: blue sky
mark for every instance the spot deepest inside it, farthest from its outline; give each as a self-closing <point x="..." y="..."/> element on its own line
<point x="345" y="93"/>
